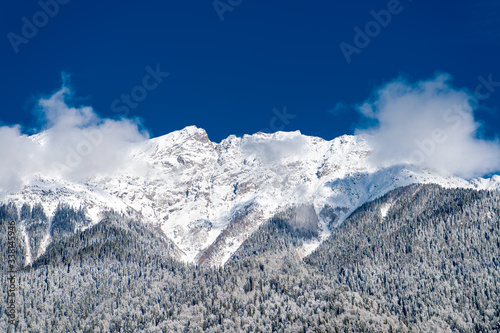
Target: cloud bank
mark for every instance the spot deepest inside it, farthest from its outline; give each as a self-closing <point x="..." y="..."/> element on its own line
<point x="429" y="124"/>
<point x="73" y="143"/>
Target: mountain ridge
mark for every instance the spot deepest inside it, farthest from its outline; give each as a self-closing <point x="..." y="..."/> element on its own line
<point x="208" y="197"/>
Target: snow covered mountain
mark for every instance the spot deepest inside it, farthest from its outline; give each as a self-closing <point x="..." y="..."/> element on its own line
<point x="209" y="197"/>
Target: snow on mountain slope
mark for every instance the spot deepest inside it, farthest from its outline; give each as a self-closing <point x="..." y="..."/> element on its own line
<point x="208" y="197"/>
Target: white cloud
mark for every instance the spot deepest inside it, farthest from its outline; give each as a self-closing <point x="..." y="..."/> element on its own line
<point x="273" y="149"/>
<point x="74" y="143"/>
<point x="340" y="108"/>
<point x="428" y="123"/>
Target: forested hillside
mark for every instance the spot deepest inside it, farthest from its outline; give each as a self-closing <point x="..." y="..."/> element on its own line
<point x="421" y="258"/>
<point x="433" y="259"/>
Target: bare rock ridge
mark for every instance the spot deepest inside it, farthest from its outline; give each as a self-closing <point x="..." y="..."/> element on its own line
<point x="209" y="197"/>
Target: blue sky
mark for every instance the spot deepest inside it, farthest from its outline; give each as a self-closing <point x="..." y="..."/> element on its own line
<point x="236" y="67"/>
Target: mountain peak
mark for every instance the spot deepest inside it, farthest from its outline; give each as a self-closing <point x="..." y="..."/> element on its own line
<point x="274" y="135"/>
<point x="209" y="197"/>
